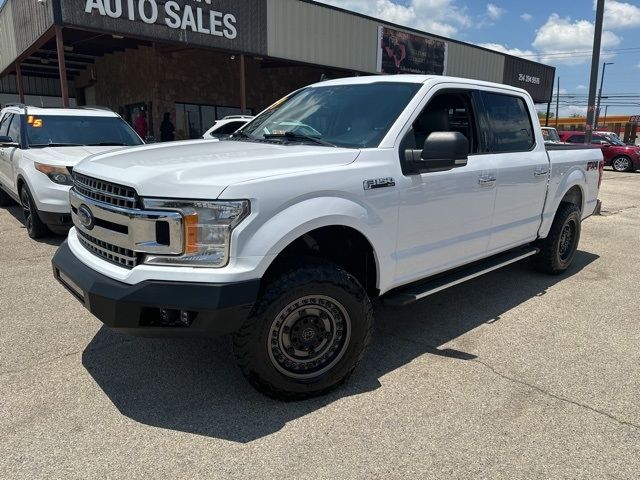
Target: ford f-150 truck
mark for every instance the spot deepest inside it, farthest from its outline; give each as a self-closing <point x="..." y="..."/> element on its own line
<point x="385" y="187"/>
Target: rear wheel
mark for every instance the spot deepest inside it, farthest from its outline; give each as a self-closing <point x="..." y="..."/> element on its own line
<point x="559" y="248"/>
<point x="35" y="227"/>
<point x="308" y="332"/>
<point x="622" y="164"/>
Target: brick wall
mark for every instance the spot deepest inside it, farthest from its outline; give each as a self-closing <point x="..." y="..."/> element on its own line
<point x="164" y="75"/>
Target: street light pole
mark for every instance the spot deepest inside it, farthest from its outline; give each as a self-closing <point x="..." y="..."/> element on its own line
<point x="604" y="67"/>
<point x="557" y="102"/>
<point x="595" y="63"/>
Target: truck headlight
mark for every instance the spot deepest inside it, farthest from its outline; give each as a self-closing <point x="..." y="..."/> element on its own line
<point x="59" y="175"/>
<point x="207" y="230"/>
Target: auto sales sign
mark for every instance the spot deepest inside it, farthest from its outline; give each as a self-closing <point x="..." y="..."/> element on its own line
<point x="238" y="25"/>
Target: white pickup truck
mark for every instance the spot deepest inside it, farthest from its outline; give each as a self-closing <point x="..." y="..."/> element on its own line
<point x="390" y="187"/>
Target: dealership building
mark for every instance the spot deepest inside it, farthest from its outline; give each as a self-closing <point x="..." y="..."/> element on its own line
<point x="201" y="60"/>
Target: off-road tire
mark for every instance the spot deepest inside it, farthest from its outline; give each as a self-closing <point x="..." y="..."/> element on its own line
<point x="618" y="166"/>
<point x="36" y="228"/>
<point x="557" y="251"/>
<point x="5" y="199"/>
<point x="256" y="344"/>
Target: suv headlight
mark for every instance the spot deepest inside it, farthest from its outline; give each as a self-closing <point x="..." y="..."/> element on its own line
<point x="207" y="230"/>
<point x="59" y="175"/>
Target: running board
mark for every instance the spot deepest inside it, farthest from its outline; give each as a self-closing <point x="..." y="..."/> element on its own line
<point x="417" y="292"/>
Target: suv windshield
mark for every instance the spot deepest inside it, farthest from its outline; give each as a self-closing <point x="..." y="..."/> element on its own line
<point x="67" y="130"/>
<point x="353" y="116"/>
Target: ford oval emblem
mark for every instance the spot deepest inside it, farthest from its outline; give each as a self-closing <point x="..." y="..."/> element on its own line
<point x="86" y="217"/>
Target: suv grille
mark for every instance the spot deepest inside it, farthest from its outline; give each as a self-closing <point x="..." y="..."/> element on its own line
<point x="118" y="255"/>
<point x="105" y="192"/>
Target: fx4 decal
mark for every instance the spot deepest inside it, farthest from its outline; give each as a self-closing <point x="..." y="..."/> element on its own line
<point x="379" y="183"/>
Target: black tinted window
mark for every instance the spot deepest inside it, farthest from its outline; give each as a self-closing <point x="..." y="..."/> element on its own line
<point x="14" y="128"/>
<point x="4" y="125"/>
<point x="511" y="129"/>
<point x="576" y="139"/>
<point x="446" y="112"/>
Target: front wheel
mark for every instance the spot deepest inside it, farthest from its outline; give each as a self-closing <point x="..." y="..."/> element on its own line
<point x="309" y="330"/>
<point x="559" y="248"/>
<point x="622" y="164"/>
<point x="36" y="228"/>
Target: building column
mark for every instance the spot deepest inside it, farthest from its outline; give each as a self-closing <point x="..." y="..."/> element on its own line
<point x="64" y="88"/>
<point x="19" y="82"/>
<point x="243" y="86"/>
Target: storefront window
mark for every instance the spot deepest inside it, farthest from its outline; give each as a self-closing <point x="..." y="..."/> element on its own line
<point x="193" y="120"/>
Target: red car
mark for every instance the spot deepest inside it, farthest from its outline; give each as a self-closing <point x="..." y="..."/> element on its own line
<point x="622" y="157"/>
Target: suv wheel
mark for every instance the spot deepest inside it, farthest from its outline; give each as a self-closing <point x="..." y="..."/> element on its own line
<point x="622" y="164"/>
<point x="559" y="248"/>
<point x="309" y="330"/>
<point x="35" y="227"/>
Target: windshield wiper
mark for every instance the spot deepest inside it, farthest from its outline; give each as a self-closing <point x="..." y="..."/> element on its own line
<point x="55" y="144"/>
<point x="108" y="144"/>
<point x="300" y="136"/>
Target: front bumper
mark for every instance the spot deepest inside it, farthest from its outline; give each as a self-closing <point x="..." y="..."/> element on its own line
<point x="211" y="309"/>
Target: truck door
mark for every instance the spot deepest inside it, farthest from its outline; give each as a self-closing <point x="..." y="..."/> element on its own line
<point x="523" y="170"/>
<point x="445" y="217"/>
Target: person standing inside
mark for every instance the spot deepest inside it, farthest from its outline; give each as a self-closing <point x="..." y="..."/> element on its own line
<point x="167" y="130"/>
<point x="141" y="127"/>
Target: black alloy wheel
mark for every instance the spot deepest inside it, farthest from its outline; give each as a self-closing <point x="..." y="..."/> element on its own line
<point x="35" y="227"/>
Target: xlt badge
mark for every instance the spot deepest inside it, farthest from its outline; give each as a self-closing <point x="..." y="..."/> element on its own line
<point x="379" y="183"/>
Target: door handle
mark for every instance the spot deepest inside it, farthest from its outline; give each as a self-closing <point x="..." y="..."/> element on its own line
<point x="539" y="172"/>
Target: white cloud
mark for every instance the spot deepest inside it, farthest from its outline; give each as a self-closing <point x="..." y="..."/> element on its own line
<point x="560" y="35"/>
<point x="494" y="12"/>
<point x="442" y="17"/>
<point x="618" y="15"/>
<point x="517" y="52"/>
<point x="563" y="91"/>
<point x="581" y="87"/>
<point x="526" y="17"/>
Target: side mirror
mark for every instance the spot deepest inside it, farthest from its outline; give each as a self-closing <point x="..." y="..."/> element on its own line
<point x="604" y="144"/>
<point x="4" y="140"/>
<point x="442" y="151"/>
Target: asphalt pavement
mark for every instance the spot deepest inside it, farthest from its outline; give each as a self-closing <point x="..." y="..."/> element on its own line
<point x="514" y="375"/>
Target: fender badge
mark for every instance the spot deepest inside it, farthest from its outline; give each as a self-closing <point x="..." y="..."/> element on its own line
<point x="378" y="183"/>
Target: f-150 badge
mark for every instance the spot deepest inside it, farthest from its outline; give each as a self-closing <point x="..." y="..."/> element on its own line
<point x="379" y="183"/>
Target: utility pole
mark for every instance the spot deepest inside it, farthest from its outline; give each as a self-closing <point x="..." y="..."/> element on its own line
<point x="557" y="102"/>
<point x="595" y="63"/>
<point x="604" y="67"/>
<point x="546" y="121"/>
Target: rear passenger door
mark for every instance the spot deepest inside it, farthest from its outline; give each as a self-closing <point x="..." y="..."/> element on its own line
<point x="523" y="170"/>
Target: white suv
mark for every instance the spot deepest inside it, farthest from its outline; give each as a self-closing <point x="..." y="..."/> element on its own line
<point x="39" y="148"/>
<point x="227" y="125"/>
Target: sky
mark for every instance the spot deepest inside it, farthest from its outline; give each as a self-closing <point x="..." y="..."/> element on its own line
<point x="558" y="33"/>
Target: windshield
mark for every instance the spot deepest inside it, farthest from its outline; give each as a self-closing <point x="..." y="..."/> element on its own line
<point x="550" y="135"/>
<point x="353" y="116"/>
<point x="67" y="130"/>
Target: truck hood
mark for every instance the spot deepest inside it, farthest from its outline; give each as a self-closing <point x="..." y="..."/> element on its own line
<point x="204" y="168"/>
<point x="65" y="156"/>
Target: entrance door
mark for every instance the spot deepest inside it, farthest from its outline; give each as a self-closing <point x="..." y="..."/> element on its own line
<point x="445" y="217"/>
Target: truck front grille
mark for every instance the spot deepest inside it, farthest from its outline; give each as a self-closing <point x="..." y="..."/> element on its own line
<point x="118" y="255"/>
<point x="105" y="192"/>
